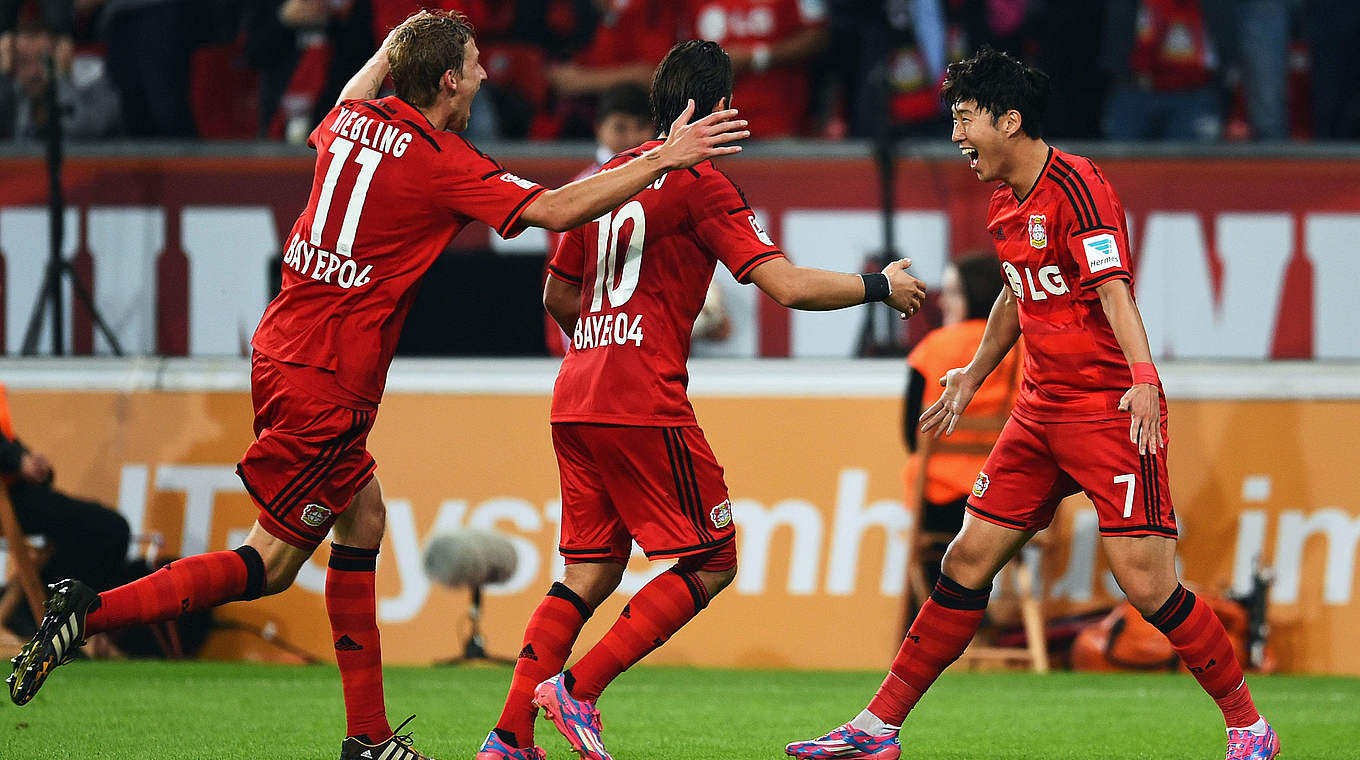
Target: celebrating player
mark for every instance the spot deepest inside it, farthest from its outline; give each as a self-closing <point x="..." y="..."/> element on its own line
<point x="633" y="462"/>
<point x="1090" y="415"/>
<point x="393" y="185"/>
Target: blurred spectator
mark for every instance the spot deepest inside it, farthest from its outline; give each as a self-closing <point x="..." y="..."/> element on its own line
<point x="85" y="99"/>
<point x="772" y="44"/>
<point x="893" y="56"/>
<point x="969" y="289"/>
<point x="54" y="16"/>
<point x="287" y="43"/>
<point x="629" y="40"/>
<point x="1263" y="29"/>
<point x="1334" y="31"/>
<point x="1164" y="67"/>
<point x="88" y="540"/>
<point x="149" y="47"/>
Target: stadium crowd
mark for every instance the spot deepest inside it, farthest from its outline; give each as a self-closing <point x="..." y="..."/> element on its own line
<point x="1129" y="69"/>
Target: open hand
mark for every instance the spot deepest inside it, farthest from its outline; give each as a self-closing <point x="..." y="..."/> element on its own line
<point x="687" y="144"/>
<point x="1143" y="403"/>
<point x="908" y="293"/>
<point x="944" y="414"/>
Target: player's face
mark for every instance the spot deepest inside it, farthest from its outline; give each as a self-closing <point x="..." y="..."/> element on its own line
<point x="983" y="143"/>
<point x="620" y="131"/>
<point x="953" y="304"/>
<point x="469" y="82"/>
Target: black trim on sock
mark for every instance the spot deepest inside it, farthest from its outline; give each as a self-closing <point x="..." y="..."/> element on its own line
<point x="568" y="681"/>
<point x="697" y="592"/>
<point x="950" y="593"/>
<point x="1174" y="611"/>
<point x="562" y="591"/>
<point x="352" y="558"/>
<point x="507" y="736"/>
<point x="255" y="573"/>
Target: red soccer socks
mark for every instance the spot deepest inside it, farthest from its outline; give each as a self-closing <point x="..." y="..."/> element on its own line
<point x="939" y="634"/>
<point x="651" y="617"/>
<point x="548" y="639"/>
<point x="185" y="585"/>
<point x="1198" y="637"/>
<point x="351" y="605"/>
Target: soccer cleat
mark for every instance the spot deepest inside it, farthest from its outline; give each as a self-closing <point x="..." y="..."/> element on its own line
<point x="394" y="748"/>
<point x="60" y="634"/>
<point x="495" y="749"/>
<point x="576" y="719"/>
<point x="1244" y="745"/>
<point x="847" y="741"/>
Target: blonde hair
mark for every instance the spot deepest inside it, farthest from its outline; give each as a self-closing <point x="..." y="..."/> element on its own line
<point x="422" y="48"/>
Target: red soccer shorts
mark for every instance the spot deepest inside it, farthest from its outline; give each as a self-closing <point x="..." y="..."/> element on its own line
<point x="308" y="459"/>
<point x="1035" y="465"/>
<point x="658" y="485"/>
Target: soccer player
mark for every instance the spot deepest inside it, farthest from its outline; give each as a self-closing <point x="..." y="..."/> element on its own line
<point x="634" y="464"/>
<point x="394" y="182"/>
<point x="1089" y="417"/>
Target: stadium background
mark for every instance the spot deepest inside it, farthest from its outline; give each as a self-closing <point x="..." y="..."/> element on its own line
<point x="1246" y="263"/>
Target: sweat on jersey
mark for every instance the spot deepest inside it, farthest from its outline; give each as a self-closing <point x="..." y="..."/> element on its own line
<point x="389" y="193"/>
<point x="1057" y="245"/>
<point x="644" y="270"/>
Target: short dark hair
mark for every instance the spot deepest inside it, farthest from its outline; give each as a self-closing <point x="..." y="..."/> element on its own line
<point x="998" y="83"/>
<point x="980" y="278"/>
<point x="628" y="99"/>
<point x="698" y="69"/>
<point x="422" y="49"/>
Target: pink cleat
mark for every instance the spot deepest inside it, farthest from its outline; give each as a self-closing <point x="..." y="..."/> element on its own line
<point x="576" y="719"/>
<point x="1244" y="745"/>
<point x="847" y="742"/>
<point x="495" y="749"/>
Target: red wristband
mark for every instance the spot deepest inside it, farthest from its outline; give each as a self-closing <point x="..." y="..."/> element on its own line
<point x="1145" y="372"/>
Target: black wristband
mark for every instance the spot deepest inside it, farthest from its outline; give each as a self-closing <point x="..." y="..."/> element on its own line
<point x="876" y="287"/>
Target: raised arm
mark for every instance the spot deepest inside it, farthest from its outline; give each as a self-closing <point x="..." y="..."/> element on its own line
<point x="687" y="144"/>
<point x="368" y="80"/>
<point x="1003" y="329"/>
<point x="1143" y="399"/>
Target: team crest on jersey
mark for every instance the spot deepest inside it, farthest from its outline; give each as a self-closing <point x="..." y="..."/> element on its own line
<point x="315" y="515"/>
<point x="721" y="515"/>
<point x="1038" y="236"/>
<point x="980" y="485"/>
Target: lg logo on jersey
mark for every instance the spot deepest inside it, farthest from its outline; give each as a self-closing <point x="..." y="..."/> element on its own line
<point x="1050" y="278"/>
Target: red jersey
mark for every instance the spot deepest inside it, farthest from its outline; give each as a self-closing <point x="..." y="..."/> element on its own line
<point x="1066" y="237"/>
<point x="644" y="270"/>
<point x="390" y="191"/>
<point x="632" y="31"/>
<point x="774" y="100"/>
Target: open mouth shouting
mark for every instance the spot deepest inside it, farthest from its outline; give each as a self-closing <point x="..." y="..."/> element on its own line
<point x="972" y="155"/>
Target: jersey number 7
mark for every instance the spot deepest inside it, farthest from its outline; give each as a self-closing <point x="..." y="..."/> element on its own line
<point x="368" y="164"/>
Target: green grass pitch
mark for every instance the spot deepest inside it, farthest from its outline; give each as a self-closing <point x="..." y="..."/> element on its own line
<point x="226" y="710"/>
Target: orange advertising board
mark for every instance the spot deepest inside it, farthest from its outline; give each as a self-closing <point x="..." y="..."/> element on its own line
<point x="816" y="494"/>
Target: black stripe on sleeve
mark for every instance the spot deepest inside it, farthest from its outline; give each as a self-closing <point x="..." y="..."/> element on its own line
<point x="490" y="174"/>
<point x="694" y="172"/>
<point x="736" y="211"/>
<point x="515" y="212"/>
<point x="1097" y="228"/>
<point x="1083" y="189"/>
<point x="421" y="132"/>
<point x="1082" y="217"/>
<point x="563" y="276"/>
<point x="745" y="269"/>
<point x="1113" y="274"/>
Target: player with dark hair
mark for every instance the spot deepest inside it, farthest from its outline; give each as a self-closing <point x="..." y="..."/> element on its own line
<point x="393" y="184"/>
<point x="634" y="464"/>
<point x="1090" y="415"/>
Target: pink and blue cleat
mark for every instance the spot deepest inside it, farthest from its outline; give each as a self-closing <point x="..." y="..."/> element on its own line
<point x="847" y="742"/>
<point x="496" y="749"/>
<point x="577" y="720"/>
<point x="1244" y="745"/>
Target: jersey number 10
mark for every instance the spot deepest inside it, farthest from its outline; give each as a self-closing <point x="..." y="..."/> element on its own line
<point x="619" y="288"/>
<point x="368" y="164"/>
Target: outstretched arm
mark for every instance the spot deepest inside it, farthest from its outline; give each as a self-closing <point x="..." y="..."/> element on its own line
<point x="687" y="144"/>
<point x="809" y="289"/>
<point x="1143" y="400"/>
<point x="1003" y="329"/>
